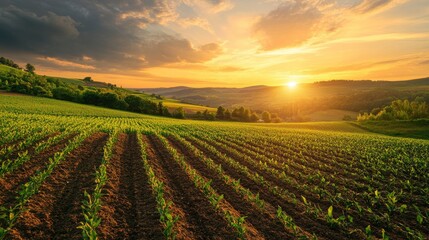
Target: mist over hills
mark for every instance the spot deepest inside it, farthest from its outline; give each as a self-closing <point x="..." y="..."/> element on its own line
<point x="348" y="95"/>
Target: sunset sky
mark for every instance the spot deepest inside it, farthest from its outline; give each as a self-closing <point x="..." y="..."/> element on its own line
<point x="230" y="43"/>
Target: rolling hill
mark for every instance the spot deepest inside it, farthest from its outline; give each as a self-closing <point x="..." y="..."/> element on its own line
<point x="344" y="95"/>
<point x="79" y="84"/>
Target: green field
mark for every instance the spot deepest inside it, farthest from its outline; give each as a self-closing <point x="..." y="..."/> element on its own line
<point x="410" y="129"/>
<point x="74" y="171"/>
<point x="74" y="83"/>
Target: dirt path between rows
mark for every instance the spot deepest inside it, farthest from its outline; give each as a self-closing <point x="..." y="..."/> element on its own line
<point x="298" y="214"/>
<point x="269" y="227"/>
<point x="198" y="220"/>
<point x="129" y="208"/>
<point x="55" y="212"/>
<point x="10" y="183"/>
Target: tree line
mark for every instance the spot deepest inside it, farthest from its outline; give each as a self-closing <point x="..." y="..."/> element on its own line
<point x="8" y="62"/>
<point x="27" y="82"/>
<point x="399" y="110"/>
<point x="239" y="114"/>
<point x="32" y="84"/>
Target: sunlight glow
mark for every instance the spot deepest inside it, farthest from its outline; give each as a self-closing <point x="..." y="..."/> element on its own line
<point x="291" y="85"/>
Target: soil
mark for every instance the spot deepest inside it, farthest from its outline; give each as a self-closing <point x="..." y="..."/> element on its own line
<point x="268" y="226"/>
<point x="198" y="219"/>
<point x="307" y="223"/>
<point x="10" y="183"/>
<point x="55" y="212"/>
<point x="129" y="207"/>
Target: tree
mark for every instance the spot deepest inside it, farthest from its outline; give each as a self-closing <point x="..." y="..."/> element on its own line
<point x="160" y="108"/>
<point x="254" y="117"/>
<point x="30" y="68"/>
<point x="109" y="99"/>
<point x="210" y="117"/>
<point x="8" y="62"/>
<point x="205" y="114"/>
<point x="179" y="113"/>
<point x="241" y="112"/>
<point x="134" y="103"/>
<point x="41" y="92"/>
<point x="64" y="93"/>
<point x="246" y="115"/>
<point x="220" y="114"/>
<point x="235" y="113"/>
<point x="91" y="97"/>
<point x="165" y="112"/>
<point x="4" y="85"/>
<point x="227" y="115"/>
<point x="276" y="120"/>
<point x="399" y="110"/>
<point x="266" y="116"/>
<point x="88" y="79"/>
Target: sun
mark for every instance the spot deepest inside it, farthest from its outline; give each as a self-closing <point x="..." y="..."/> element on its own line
<point x="291" y="84"/>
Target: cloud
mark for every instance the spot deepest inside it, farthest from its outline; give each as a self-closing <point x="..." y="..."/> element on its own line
<point x="291" y="24"/>
<point x="297" y="22"/>
<point x="64" y="63"/>
<point x="358" y="66"/>
<point x="231" y="69"/>
<point x="368" y="6"/>
<point x="213" y="6"/>
<point x="425" y="62"/>
<point x="199" y="66"/>
<point x="167" y="49"/>
<point x="25" y="30"/>
<point x="112" y="35"/>
<point x="195" y="21"/>
<point x="150" y="12"/>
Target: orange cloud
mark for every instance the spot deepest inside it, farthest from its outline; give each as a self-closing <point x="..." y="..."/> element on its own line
<point x="295" y="22"/>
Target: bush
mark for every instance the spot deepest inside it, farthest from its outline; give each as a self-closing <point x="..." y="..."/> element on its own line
<point x="67" y="94"/>
<point x="179" y="113"/>
<point x="41" y="92"/>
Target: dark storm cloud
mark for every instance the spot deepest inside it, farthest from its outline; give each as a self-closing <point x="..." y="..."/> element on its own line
<point x="113" y="34"/>
<point x="21" y="29"/>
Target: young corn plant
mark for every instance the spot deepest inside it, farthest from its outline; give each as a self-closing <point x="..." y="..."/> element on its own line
<point x="8" y="165"/>
<point x="287" y="220"/>
<point x="91" y="205"/>
<point x="332" y="221"/>
<point x="32" y="186"/>
<point x="167" y="218"/>
<point x="237" y="222"/>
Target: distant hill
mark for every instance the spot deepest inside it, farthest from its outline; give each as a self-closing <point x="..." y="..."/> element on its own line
<point x="81" y="85"/>
<point x="347" y="95"/>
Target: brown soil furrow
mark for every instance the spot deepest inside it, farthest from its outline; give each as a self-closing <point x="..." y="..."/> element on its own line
<point x="323" y="203"/>
<point x="267" y="225"/>
<point x="129" y="207"/>
<point x="304" y="221"/>
<point x="55" y="212"/>
<point x="10" y="183"/>
<point x="29" y="148"/>
<point x="198" y="220"/>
